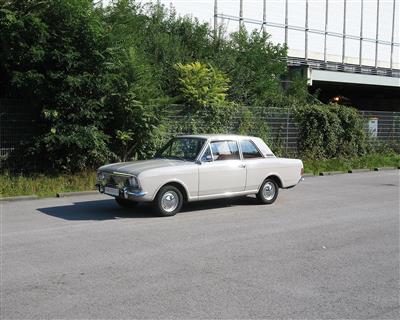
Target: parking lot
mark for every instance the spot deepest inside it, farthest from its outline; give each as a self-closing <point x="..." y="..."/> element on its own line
<point x="328" y="248"/>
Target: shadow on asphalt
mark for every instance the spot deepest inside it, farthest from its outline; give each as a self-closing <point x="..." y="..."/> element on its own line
<point x="109" y="209"/>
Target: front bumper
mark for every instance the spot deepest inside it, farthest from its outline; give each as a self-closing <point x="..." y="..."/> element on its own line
<point x="125" y="193"/>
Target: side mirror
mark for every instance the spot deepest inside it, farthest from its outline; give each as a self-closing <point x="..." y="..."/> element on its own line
<point x="205" y="159"/>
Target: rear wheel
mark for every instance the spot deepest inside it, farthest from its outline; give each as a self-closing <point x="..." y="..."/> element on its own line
<point x="268" y="192"/>
<point x="125" y="203"/>
<point x="168" y="201"/>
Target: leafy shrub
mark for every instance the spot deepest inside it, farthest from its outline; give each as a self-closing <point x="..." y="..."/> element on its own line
<point x="327" y="131"/>
<point x="352" y="140"/>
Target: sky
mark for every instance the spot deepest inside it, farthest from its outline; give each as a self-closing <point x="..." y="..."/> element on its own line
<point x="253" y="9"/>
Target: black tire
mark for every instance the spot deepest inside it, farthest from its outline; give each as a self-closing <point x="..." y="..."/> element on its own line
<point x="268" y="191"/>
<point x="169" y="201"/>
<point x="125" y="203"/>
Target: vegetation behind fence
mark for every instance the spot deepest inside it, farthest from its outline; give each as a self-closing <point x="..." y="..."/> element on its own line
<point x="279" y="127"/>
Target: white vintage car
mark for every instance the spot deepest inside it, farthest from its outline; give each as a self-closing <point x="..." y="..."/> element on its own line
<point x="200" y="167"/>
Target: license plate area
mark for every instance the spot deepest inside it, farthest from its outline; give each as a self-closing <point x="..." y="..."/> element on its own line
<point x="111" y="191"/>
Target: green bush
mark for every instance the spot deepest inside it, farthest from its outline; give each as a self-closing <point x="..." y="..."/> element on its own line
<point x="327" y="131"/>
<point x="352" y="140"/>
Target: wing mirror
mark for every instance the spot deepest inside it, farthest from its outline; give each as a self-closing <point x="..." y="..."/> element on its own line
<point x="207" y="158"/>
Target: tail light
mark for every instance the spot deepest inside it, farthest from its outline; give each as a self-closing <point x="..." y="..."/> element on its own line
<point x="302" y="171"/>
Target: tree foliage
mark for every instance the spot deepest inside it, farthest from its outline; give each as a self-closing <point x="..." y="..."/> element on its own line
<point x="101" y="80"/>
<point x="255" y="66"/>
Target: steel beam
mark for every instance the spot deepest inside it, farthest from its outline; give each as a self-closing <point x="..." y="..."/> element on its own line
<point x="215" y="18"/>
<point x="286" y="20"/>
<point x="306" y="33"/>
<point x="241" y="14"/>
<point x="344" y="30"/>
<point x="393" y="28"/>
<point x="326" y="27"/>
<point x="264" y="16"/>
<point x="377" y="34"/>
<point x="361" y="33"/>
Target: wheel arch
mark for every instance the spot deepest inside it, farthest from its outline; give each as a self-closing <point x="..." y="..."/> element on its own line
<point x="274" y="177"/>
<point x="177" y="184"/>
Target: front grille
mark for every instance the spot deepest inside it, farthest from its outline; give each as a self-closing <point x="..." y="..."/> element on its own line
<point x="114" y="181"/>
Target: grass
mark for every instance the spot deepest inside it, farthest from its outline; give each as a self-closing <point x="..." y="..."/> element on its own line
<point x="49" y="185"/>
<point x="339" y="164"/>
<point x="45" y="185"/>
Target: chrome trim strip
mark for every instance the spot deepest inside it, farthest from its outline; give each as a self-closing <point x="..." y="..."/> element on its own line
<point x="226" y="195"/>
<point x="122" y="174"/>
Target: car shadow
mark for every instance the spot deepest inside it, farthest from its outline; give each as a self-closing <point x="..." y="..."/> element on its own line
<point x="108" y="209"/>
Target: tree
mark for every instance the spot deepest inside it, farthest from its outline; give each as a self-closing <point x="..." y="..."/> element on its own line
<point x="255" y="67"/>
<point x="53" y="54"/>
<point x="203" y="91"/>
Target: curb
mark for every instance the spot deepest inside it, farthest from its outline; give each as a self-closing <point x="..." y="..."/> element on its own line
<point x="385" y="168"/>
<point x="359" y="170"/>
<point x="331" y="173"/>
<point x="308" y="175"/>
<point x="20" y="198"/>
<point x="78" y="193"/>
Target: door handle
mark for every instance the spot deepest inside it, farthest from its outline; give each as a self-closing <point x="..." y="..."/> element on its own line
<point x="242" y="165"/>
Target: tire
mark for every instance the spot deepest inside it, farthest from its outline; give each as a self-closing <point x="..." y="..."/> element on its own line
<point x="169" y="201"/>
<point x="268" y="192"/>
<point x="124" y="203"/>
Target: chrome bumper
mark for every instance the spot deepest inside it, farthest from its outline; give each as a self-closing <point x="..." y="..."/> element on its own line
<point x="125" y="193"/>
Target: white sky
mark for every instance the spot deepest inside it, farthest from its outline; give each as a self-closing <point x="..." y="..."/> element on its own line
<point x="253" y="9"/>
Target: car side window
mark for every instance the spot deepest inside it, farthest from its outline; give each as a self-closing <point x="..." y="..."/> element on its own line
<point x="225" y="150"/>
<point x="249" y="150"/>
<point x="207" y="156"/>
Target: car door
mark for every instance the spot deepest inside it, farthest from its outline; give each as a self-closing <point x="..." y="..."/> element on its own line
<point x="255" y="164"/>
<point x="222" y="170"/>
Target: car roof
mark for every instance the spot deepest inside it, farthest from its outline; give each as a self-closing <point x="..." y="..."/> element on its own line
<point x="216" y="136"/>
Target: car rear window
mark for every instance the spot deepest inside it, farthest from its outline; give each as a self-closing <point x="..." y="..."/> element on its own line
<point x="249" y="150"/>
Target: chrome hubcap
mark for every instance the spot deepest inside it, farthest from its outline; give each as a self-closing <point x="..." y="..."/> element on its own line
<point x="269" y="191"/>
<point x="169" y="201"/>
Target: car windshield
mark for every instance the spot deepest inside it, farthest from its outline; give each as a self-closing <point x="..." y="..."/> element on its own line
<point x="182" y="148"/>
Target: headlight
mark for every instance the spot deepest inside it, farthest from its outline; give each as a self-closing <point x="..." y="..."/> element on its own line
<point x="100" y="176"/>
<point x="134" y="182"/>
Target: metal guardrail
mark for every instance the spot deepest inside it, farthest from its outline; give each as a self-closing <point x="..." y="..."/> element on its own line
<point x="342" y="67"/>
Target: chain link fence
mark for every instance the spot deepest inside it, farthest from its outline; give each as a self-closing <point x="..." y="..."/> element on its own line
<point x="17" y="126"/>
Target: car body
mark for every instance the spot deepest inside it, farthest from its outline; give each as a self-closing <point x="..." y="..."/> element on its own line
<point x="200" y="167"/>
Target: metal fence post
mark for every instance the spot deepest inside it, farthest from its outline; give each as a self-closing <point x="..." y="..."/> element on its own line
<point x="287" y="132"/>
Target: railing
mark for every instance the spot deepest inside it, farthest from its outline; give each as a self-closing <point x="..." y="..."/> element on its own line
<point x="342" y="67"/>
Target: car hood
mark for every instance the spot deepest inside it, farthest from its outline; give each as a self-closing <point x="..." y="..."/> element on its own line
<point x="136" y="167"/>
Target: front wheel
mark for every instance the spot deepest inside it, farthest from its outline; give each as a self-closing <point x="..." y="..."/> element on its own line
<point x="124" y="203"/>
<point x="268" y="192"/>
<point x="168" y="201"/>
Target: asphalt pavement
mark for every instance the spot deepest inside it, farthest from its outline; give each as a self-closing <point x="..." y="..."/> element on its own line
<point x="328" y="248"/>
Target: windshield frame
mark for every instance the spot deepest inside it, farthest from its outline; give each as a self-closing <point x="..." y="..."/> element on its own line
<point x="169" y="143"/>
